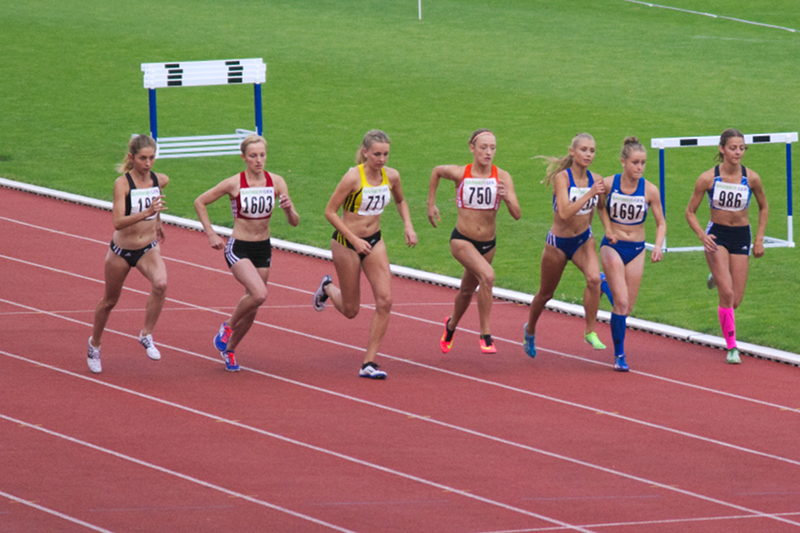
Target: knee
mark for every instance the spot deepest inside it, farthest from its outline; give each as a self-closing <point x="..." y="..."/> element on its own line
<point x="159" y="287"/>
<point x="383" y="304"/>
<point x="259" y="296"/>
<point x="621" y="306"/>
<point x="486" y="278"/>
<point x="593" y="282"/>
<point x="350" y="311"/>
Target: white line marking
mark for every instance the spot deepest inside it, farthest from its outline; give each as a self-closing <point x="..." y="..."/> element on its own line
<point x="168" y="471"/>
<point x="52" y="512"/>
<point x="712" y="15"/>
<point x="260" y="431"/>
<point x="403" y="413"/>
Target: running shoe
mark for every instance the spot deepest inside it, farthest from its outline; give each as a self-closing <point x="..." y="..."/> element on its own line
<point x="620" y="365"/>
<point x="93" y="359"/>
<point x="320" y="296"/>
<point x="733" y="357"/>
<point x="230" y="361"/>
<point x="529" y="344"/>
<point x="370" y="370"/>
<point x="149" y="346"/>
<point x="594" y="340"/>
<point x="486" y="344"/>
<point x="445" y="343"/>
<point x="605" y="289"/>
<point x="222" y="337"/>
<point x="710" y="281"/>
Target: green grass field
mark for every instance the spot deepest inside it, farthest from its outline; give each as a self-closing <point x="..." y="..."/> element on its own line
<point x="536" y="72"/>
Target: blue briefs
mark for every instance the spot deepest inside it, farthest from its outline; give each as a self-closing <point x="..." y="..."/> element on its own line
<point x="627" y="250"/>
<point x="569" y="245"/>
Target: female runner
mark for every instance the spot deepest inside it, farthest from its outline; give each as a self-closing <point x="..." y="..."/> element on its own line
<point x="726" y="240"/>
<point x="362" y="194"/>
<point x="480" y="186"/>
<point x="254" y="193"/>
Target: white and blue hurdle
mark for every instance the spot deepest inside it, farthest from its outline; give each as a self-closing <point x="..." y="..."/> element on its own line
<point x="786" y="138"/>
<point x="200" y="73"/>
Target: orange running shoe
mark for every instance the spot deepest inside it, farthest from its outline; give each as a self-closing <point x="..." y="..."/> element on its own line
<point x="487" y="346"/>
<point x="446" y="342"/>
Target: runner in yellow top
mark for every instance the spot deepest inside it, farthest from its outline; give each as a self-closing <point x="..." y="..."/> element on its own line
<point x="362" y="194"/>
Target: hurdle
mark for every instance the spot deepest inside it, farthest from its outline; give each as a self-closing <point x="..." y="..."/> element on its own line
<point x="786" y="138"/>
<point x="203" y="73"/>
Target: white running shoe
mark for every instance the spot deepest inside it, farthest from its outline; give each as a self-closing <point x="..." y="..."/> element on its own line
<point x="320" y="296"/>
<point x="371" y="370"/>
<point x="149" y="346"/>
<point x="93" y="359"/>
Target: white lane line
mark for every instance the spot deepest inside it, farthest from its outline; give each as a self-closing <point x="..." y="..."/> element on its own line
<point x="53" y="512"/>
<point x="712" y="15"/>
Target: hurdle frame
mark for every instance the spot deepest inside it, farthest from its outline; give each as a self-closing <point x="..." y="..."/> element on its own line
<point x="203" y="73"/>
<point x="787" y="138"/>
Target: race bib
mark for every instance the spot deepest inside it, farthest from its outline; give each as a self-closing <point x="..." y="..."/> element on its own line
<point x="142" y="199"/>
<point x="374" y="200"/>
<point x="730" y="196"/>
<point x="256" y="202"/>
<point x="577" y="192"/>
<point x="479" y="193"/>
<point x="625" y="209"/>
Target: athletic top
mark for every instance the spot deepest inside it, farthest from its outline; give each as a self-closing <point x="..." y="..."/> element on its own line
<point x="477" y="193"/>
<point x="138" y="200"/>
<point x="576" y="192"/>
<point x="628" y="209"/>
<point x="729" y="196"/>
<point x="369" y="199"/>
<point x="253" y="202"/>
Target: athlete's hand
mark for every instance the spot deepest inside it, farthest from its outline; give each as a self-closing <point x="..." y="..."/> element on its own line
<point x="411" y="237"/>
<point x="656" y="255"/>
<point x="216" y="241"/>
<point x="433" y="215"/>
<point x="361" y="247"/>
<point x="284" y="201"/>
<point x="599" y="187"/>
<point x="710" y="243"/>
<point x="157" y="206"/>
<point x="758" y="249"/>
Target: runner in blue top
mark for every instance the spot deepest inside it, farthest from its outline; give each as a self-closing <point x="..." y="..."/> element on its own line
<point x="575" y="195"/>
<point x="726" y="240"/>
<point x="623" y="211"/>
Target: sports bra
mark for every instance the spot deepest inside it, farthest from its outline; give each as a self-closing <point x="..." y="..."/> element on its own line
<point x="369" y="200"/>
<point x="253" y="202"/>
<point x="477" y="193"/>
<point x="574" y="192"/>
<point x="727" y="196"/>
<point x="628" y="209"/>
<point x="138" y="200"/>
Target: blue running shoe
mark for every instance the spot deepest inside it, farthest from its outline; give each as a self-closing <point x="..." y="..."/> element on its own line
<point x="230" y="361"/>
<point x="619" y="363"/>
<point x="222" y="337"/>
<point x="529" y="344"/>
<point x="605" y="289"/>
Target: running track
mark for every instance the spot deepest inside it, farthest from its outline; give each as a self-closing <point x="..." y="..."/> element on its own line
<point x="296" y="442"/>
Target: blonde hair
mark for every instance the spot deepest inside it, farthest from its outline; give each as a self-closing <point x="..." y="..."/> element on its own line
<point x="630" y="145"/>
<point x="370" y="138"/>
<point x="135" y="145"/>
<point x="252" y="139"/>
<point x="730" y="133"/>
<point x="558" y="164"/>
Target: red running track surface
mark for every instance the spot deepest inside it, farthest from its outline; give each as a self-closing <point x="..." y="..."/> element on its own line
<point x="297" y="442"/>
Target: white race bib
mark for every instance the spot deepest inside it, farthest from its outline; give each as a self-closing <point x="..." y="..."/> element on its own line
<point x="626" y="209"/>
<point x="479" y="193"/>
<point x="374" y="200"/>
<point x="142" y="199"/>
<point x="730" y="196"/>
<point x="577" y="192"/>
<point x="256" y="202"/>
